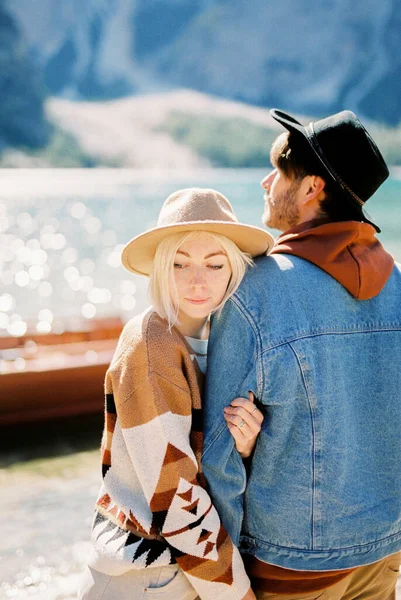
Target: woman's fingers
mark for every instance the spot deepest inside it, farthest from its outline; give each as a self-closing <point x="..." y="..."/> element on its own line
<point x="246" y="410"/>
<point x="245" y="414"/>
<point x="245" y="430"/>
<point x="240" y="441"/>
<point x="243" y="421"/>
<point x="244" y="438"/>
<point x="249" y="405"/>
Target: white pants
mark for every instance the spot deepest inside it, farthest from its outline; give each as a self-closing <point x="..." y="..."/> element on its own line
<point x="155" y="583"/>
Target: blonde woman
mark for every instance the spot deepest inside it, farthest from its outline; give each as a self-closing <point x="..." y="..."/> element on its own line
<point x="156" y="533"/>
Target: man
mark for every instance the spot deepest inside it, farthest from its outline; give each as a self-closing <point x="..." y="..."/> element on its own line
<point x="314" y="331"/>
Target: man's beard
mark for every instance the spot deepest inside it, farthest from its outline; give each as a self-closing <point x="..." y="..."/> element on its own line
<point x="284" y="213"/>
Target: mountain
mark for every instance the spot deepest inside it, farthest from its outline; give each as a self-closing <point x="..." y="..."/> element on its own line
<point x="314" y="57"/>
<point x="181" y="129"/>
<point x="22" y="120"/>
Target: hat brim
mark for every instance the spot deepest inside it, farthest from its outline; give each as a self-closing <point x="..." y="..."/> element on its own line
<point x="294" y="126"/>
<point x="138" y="255"/>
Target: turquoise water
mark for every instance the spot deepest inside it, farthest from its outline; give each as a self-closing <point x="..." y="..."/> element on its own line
<point x="61" y="234"/>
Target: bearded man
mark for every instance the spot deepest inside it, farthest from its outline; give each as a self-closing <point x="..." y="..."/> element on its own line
<point x="314" y="331"/>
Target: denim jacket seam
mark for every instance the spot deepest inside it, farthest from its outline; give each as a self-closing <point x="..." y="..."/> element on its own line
<point x="215" y="438"/>
<point x="323" y="333"/>
<point x="259" y="542"/>
<point x="314" y="451"/>
<point x="248" y="318"/>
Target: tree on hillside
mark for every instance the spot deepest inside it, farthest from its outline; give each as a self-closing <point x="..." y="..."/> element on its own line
<point x="22" y="119"/>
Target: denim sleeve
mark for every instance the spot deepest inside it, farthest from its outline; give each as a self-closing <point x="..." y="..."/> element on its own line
<point x="231" y="372"/>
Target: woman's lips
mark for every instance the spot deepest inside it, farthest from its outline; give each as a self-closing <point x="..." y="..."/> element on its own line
<point x="197" y="300"/>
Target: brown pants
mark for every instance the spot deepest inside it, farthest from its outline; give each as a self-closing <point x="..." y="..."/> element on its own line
<point x="372" y="582"/>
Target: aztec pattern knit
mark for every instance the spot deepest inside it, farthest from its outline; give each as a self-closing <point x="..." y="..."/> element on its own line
<point x="153" y="508"/>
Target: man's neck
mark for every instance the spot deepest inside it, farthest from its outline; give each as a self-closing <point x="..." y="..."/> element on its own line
<point x="307" y="224"/>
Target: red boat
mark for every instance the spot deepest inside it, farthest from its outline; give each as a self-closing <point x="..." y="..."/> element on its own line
<point x="43" y="376"/>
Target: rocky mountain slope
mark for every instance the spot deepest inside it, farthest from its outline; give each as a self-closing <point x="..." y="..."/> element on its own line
<point x="22" y="121"/>
<point x="181" y="129"/>
<point x="314" y="57"/>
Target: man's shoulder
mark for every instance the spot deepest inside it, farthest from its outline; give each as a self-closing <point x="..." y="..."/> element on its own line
<point x="273" y="267"/>
<point x="275" y="282"/>
<point x="274" y="263"/>
<point x="394" y="282"/>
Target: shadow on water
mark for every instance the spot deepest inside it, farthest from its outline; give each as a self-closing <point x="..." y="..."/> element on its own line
<point x="55" y="438"/>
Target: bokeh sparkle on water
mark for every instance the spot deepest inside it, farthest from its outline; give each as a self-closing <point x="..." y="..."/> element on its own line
<point x="61" y="235"/>
<point x="59" y="260"/>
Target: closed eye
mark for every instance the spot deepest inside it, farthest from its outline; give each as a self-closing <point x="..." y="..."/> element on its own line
<point x="215" y="267"/>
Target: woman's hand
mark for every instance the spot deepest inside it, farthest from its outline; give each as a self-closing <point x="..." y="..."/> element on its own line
<point x="244" y="420"/>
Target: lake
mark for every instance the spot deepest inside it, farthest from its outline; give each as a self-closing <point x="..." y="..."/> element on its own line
<point x="61" y="234"/>
<point x="62" y="231"/>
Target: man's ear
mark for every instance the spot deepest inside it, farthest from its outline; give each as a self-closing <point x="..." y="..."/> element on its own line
<point x="314" y="190"/>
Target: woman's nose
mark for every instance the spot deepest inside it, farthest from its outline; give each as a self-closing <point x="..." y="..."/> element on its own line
<point x="267" y="181"/>
<point x="197" y="278"/>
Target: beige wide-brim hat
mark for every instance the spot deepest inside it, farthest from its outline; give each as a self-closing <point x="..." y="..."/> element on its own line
<point x="194" y="209"/>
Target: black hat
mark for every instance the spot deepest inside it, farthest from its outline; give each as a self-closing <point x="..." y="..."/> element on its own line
<point x="347" y="153"/>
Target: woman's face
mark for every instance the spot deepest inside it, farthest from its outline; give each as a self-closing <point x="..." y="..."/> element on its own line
<point x="202" y="273"/>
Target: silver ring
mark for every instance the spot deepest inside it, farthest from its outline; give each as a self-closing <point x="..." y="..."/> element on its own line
<point x="241" y="424"/>
<point x="254" y="410"/>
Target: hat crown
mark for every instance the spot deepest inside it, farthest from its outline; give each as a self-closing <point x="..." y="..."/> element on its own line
<point x="194" y="209"/>
<point x="346" y="150"/>
<point x="195" y="204"/>
<point x="350" y="153"/>
<point x="347" y="153"/>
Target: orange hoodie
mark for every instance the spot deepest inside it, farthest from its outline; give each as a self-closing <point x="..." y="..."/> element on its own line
<point x="348" y="251"/>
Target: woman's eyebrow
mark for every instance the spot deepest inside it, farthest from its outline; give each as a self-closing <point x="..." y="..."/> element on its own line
<point x="216" y="254"/>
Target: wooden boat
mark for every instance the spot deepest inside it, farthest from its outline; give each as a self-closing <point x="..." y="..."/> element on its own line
<point x="44" y="376"/>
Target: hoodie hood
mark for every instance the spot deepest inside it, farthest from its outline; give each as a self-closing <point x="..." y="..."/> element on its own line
<point x="348" y="251"/>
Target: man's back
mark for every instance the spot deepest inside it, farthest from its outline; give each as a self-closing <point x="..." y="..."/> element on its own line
<point x="324" y="489"/>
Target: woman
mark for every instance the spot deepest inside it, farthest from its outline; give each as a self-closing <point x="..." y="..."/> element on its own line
<point x="156" y="532"/>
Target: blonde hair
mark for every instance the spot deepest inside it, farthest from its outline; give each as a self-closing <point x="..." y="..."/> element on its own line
<point x="162" y="288"/>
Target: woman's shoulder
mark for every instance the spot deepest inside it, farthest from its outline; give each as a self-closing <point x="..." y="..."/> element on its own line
<point x="149" y="326"/>
<point x="148" y="347"/>
<point x="159" y="337"/>
<point x="149" y="334"/>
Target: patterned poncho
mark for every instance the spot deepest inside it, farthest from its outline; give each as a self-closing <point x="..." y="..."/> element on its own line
<point x="153" y="508"/>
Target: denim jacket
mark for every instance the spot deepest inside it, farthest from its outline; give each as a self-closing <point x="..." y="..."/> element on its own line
<point x="323" y="491"/>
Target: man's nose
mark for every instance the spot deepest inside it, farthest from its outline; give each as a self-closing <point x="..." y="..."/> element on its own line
<point x="268" y="180"/>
